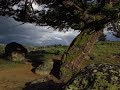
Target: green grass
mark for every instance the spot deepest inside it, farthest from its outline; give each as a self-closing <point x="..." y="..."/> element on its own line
<point x="103" y="52"/>
<point x="106" y="51"/>
<point x="5" y="64"/>
<point x="45" y="53"/>
<point x="36" y="54"/>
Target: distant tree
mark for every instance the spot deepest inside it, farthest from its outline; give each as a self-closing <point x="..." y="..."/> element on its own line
<point x="88" y="17"/>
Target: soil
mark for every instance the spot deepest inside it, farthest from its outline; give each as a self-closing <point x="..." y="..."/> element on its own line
<point x="16" y="78"/>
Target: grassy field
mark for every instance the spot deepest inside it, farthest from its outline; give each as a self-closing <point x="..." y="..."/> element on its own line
<point x="103" y="52"/>
<point x="106" y="52"/>
<point x="38" y="54"/>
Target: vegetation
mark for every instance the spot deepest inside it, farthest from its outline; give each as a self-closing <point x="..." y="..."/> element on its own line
<point x="46" y="53"/>
<point x="90" y="18"/>
<point x="102" y="53"/>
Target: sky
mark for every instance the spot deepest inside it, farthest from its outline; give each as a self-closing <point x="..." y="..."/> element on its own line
<point x="30" y="34"/>
<point x="110" y="35"/>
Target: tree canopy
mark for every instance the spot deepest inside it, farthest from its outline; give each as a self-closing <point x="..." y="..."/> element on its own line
<point x="77" y="14"/>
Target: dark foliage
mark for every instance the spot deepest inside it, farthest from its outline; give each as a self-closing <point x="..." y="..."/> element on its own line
<point x="77" y="14"/>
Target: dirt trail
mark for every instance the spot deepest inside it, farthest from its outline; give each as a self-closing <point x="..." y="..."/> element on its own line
<point x="16" y="78"/>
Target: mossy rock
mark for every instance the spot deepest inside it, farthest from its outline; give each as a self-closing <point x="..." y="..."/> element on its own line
<point x="45" y="68"/>
<point x="17" y="57"/>
<point x="15" y="52"/>
<point x="96" y="77"/>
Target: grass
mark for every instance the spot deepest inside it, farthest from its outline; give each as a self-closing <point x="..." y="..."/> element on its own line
<point x="106" y="52"/>
<point x="38" y="54"/>
<point x="103" y="52"/>
<point x="5" y="64"/>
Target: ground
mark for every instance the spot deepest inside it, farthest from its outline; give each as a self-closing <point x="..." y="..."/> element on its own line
<point x="14" y="75"/>
<point x="16" y="78"/>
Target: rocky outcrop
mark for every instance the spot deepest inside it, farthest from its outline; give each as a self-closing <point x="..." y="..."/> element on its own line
<point x="96" y="77"/>
<point x="15" y="52"/>
<point x="92" y="77"/>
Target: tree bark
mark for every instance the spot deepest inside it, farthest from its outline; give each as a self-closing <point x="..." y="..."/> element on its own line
<point x="78" y="50"/>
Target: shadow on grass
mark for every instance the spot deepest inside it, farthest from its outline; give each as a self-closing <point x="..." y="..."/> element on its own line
<point x="37" y="58"/>
<point x="2" y="55"/>
<point x="47" y="85"/>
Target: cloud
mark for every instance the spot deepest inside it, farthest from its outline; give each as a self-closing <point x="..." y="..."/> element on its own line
<point x="110" y="35"/>
<point x="35" y="6"/>
<point x="30" y="34"/>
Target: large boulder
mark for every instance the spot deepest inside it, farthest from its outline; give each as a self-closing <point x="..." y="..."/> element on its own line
<point x="49" y="67"/>
<point x="96" y="77"/>
<point x="15" y="52"/>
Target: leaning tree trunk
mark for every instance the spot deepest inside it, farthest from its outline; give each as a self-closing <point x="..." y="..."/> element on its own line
<point x="77" y="51"/>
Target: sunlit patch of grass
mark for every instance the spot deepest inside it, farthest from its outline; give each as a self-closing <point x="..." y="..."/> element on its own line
<point x="104" y="52"/>
<point x="5" y="64"/>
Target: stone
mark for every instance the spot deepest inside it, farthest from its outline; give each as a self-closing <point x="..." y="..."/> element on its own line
<point x="15" y="52"/>
<point x="45" y="68"/>
<point x="97" y="79"/>
<point x="95" y="71"/>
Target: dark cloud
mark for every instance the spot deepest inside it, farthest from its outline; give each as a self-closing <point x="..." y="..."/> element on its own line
<point x="29" y="34"/>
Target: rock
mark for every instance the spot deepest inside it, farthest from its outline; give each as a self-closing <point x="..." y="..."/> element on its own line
<point x="94" y="71"/>
<point x="97" y="77"/>
<point x="91" y="77"/>
<point x="15" y="52"/>
<point x="44" y="79"/>
<point x="45" y="68"/>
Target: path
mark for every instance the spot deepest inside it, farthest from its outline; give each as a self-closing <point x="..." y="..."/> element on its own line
<point x="15" y="78"/>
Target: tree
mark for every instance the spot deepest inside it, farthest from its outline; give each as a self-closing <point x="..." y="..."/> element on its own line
<point x="88" y="17"/>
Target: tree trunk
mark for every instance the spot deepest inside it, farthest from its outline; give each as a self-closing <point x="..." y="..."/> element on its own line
<point x="77" y="51"/>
